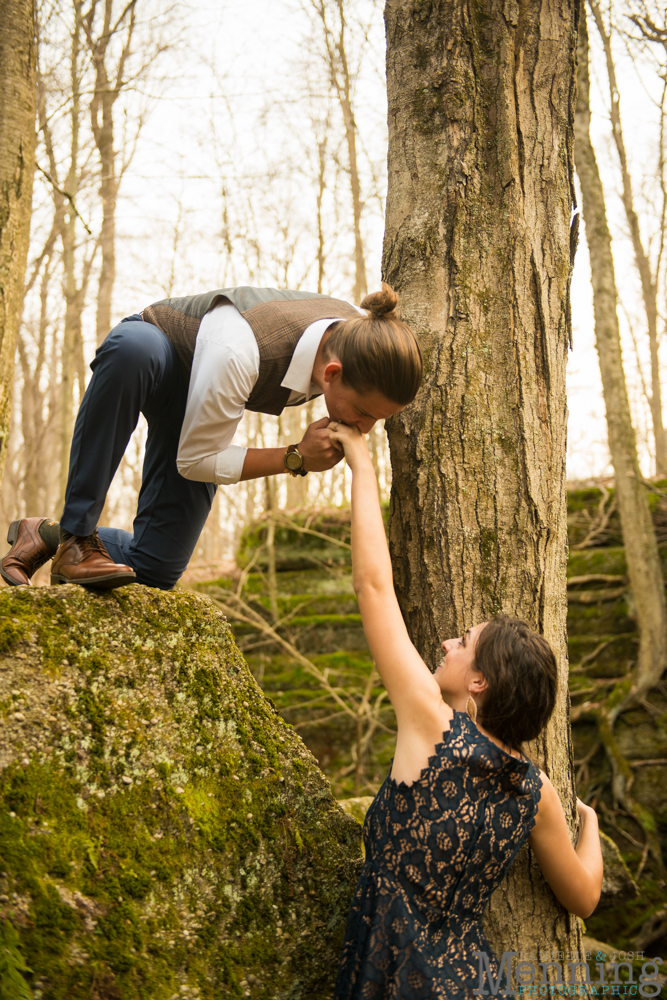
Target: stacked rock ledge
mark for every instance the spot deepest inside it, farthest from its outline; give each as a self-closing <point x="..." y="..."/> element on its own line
<point x="162" y="830"/>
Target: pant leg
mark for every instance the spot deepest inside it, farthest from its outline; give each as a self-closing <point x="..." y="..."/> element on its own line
<point x="171" y="510"/>
<point x="128" y="368"/>
<point x="136" y="370"/>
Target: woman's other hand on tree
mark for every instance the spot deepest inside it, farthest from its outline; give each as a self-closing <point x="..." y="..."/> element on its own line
<point x="584" y="811"/>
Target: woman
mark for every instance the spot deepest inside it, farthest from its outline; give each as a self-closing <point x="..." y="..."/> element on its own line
<point x="461" y="798"/>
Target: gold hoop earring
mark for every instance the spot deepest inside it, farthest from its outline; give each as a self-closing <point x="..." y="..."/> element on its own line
<point x="471" y="708"/>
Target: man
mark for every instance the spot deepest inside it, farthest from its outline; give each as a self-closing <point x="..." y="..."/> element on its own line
<point x="192" y="366"/>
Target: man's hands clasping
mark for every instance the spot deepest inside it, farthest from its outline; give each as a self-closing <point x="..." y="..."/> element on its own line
<point x="318" y="450"/>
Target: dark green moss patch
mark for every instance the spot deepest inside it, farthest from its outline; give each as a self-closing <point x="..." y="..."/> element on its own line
<point x="159" y="822"/>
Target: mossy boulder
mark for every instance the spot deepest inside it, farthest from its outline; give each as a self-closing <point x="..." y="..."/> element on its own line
<point x="162" y="830"/>
<point x="618" y="885"/>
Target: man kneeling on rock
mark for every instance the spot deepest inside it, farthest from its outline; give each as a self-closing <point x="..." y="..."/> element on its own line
<point x="192" y="366"/>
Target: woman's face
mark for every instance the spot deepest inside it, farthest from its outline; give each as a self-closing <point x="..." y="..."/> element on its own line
<point x="456" y="672"/>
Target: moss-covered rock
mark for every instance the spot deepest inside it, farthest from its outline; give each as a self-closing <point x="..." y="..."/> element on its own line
<point x="356" y="807"/>
<point x="618" y="885"/>
<point x="162" y="830"/>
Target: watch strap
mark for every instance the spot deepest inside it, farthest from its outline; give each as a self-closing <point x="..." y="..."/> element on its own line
<point x="293" y="449"/>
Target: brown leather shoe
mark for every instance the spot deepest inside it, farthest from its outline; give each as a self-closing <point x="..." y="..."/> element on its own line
<point x="86" y="561"/>
<point x="28" y="551"/>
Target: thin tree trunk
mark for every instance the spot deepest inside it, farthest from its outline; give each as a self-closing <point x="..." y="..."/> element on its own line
<point x="341" y="80"/>
<point x="344" y="91"/>
<point x="321" y="188"/>
<point x="33" y="425"/>
<point x="477" y="241"/>
<point x="647" y="278"/>
<point x="17" y="167"/>
<point x="641" y="548"/>
<point x="106" y="94"/>
<point x="73" y="298"/>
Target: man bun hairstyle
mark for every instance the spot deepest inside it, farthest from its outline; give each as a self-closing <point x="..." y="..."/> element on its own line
<point x="378" y="352"/>
<point x="520" y="670"/>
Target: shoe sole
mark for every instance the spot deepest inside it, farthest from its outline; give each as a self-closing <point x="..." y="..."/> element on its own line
<point x="98" y="583"/>
<point x="12" y="535"/>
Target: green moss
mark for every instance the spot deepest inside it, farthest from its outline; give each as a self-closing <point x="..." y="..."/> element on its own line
<point x="167" y="817"/>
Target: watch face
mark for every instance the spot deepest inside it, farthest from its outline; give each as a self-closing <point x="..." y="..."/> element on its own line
<point x="293" y="460"/>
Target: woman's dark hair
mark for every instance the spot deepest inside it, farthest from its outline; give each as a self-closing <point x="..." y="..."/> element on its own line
<point x="520" y="669"/>
<point x="378" y="352"/>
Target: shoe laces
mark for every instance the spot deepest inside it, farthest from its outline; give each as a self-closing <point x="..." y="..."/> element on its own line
<point x="95" y="543"/>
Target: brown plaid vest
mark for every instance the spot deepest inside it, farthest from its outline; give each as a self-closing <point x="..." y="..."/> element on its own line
<point x="277" y="319"/>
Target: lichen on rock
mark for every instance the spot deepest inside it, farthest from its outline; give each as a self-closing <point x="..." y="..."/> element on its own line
<point x="162" y="830"/>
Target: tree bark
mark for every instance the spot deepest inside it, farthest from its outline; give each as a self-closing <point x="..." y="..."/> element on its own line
<point x="478" y="243"/>
<point x="17" y="167"/>
<point x="641" y="549"/>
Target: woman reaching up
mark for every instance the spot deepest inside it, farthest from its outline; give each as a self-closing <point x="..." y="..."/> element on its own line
<point x="461" y="797"/>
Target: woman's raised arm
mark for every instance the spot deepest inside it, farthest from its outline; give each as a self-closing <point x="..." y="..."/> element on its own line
<point x="408" y="680"/>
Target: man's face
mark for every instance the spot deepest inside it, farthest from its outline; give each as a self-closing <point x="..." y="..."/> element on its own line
<point x="353" y="408"/>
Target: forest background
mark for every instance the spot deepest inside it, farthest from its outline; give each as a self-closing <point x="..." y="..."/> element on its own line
<point x="187" y="147"/>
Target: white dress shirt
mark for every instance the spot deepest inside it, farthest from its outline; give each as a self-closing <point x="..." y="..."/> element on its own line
<point x="225" y="368"/>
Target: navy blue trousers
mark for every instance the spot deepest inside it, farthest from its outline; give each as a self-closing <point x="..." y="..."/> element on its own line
<point x="135" y="371"/>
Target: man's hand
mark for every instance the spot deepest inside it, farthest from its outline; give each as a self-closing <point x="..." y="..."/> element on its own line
<point x="318" y="450"/>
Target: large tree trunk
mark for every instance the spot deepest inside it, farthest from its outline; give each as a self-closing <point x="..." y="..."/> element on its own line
<point x="641" y="550"/>
<point x="17" y="166"/>
<point x="478" y="243"/>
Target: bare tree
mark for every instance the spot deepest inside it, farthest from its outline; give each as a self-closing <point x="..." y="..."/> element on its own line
<point x="648" y="272"/>
<point x="333" y="16"/>
<point x="91" y="55"/>
<point x="108" y="29"/>
<point x="641" y="550"/>
<point x="17" y="152"/>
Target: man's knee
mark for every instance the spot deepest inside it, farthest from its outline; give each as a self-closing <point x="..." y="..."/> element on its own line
<point x="161" y="580"/>
<point x="133" y="347"/>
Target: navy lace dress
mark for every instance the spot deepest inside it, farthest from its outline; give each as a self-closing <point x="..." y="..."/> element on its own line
<point x="435" y="851"/>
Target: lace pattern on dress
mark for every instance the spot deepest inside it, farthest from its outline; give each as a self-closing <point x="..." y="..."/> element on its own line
<point x="435" y="851"/>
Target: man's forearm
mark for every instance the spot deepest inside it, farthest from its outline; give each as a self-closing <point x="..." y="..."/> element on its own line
<point x="260" y="462"/>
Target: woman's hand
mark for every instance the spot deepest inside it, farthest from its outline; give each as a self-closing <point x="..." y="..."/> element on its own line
<point x="351" y="440"/>
<point x="583" y="810"/>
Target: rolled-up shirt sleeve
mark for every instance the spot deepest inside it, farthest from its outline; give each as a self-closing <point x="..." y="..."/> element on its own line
<point x="222" y="380"/>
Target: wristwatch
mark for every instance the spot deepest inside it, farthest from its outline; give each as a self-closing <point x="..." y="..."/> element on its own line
<point x="294" y="461"/>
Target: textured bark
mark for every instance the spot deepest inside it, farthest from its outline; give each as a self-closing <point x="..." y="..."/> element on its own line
<point x="641" y="548"/>
<point x="478" y="243"/>
<point x="647" y="276"/>
<point x="17" y="166"/>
